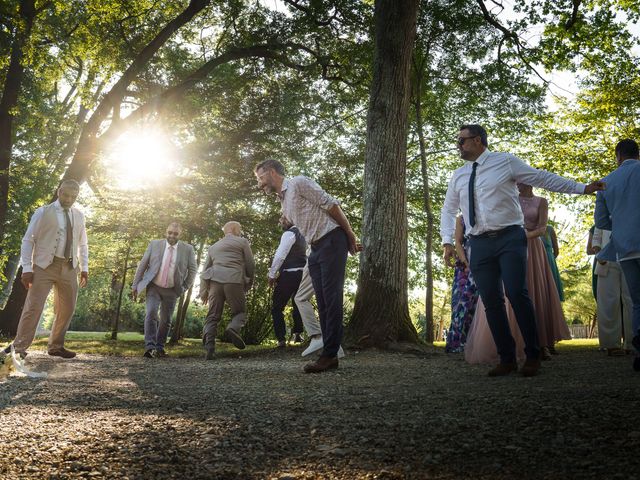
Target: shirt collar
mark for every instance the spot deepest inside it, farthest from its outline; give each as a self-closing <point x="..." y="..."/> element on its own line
<point x="283" y="188"/>
<point x="628" y="161"/>
<point x="483" y="157"/>
<point x="58" y="205"/>
<point x="169" y="245"/>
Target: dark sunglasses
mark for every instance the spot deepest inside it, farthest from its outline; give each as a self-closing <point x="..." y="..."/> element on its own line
<point x="461" y="140"/>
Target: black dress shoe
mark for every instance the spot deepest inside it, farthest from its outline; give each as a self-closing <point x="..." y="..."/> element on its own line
<point x="148" y="353"/>
<point x="321" y="365"/>
<point x="503" y="369"/>
<point x="160" y="353"/>
<point x="636" y="363"/>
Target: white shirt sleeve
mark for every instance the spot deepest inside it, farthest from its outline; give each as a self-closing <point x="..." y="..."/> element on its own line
<point x="524" y="173"/>
<point x="449" y="212"/>
<point x="83" y="248"/>
<point x="28" y="242"/>
<point x="286" y="242"/>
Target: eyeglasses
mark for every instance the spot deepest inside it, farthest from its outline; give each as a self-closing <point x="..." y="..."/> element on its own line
<point x="461" y="140"/>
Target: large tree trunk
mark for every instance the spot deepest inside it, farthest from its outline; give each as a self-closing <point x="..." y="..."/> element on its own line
<point x="9" y="101"/>
<point x="183" y="307"/>
<point x="381" y="311"/>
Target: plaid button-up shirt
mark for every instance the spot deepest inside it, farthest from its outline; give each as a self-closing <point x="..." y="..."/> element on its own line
<point x="306" y="205"/>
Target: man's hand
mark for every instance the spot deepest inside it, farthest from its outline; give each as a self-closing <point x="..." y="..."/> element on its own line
<point x="594" y="187"/>
<point x="449" y="255"/>
<point x="354" y="245"/>
<point x="204" y="300"/>
<point x="27" y="279"/>
<point x="272" y="282"/>
<point x="84" y="279"/>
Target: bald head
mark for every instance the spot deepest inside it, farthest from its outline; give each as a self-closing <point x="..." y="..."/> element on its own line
<point x="233" y="228"/>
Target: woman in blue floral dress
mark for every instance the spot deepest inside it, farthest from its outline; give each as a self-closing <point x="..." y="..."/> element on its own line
<point x="464" y="296"/>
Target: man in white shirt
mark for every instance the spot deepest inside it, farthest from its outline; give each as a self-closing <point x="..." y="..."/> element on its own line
<point x="167" y="270"/>
<point x="485" y="190"/>
<point x="54" y="250"/>
<point x="284" y="275"/>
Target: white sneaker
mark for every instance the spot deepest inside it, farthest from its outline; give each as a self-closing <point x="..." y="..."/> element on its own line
<point x="341" y="353"/>
<point x="315" y="345"/>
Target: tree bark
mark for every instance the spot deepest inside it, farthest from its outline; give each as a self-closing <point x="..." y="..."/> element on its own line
<point x="10" y="315"/>
<point x="12" y="84"/>
<point x="428" y="210"/>
<point x="185" y="300"/>
<point x="381" y="312"/>
<point x="114" y="331"/>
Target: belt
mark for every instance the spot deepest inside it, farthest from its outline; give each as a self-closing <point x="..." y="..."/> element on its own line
<point x="496" y="233"/>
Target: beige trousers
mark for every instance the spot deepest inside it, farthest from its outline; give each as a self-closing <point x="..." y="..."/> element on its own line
<point x="64" y="279"/>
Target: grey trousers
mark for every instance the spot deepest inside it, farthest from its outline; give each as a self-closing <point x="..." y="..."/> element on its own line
<point x="219" y="293"/>
<point x="64" y="279"/>
<point x="614" y="308"/>
<point x="156" y="328"/>
<point x="303" y="301"/>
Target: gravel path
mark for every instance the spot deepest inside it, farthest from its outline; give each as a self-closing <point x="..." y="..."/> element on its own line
<point x="380" y="415"/>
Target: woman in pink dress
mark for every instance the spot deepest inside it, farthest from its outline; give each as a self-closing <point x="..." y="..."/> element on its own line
<point x="552" y="326"/>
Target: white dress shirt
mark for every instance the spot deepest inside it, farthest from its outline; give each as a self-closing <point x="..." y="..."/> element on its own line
<point x="172" y="266"/>
<point x="496" y="194"/>
<point x="306" y="204"/>
<point x="287" y="241"/>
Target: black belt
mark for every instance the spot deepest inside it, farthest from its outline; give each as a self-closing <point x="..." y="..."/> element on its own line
<point x="496" y="233"/>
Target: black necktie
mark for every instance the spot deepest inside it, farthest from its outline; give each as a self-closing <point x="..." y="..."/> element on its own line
<point x="472" y="187"/>
<point x="69" y="242"/>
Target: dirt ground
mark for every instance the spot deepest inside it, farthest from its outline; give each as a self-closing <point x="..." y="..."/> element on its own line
<point x="380" y="415"/>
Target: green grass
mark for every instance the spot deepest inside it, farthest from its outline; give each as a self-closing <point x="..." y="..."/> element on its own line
<point x="131" y="344"/>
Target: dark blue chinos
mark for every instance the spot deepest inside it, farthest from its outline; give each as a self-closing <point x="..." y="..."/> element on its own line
<point x="498" y="258"/>
<point x="327" y="265"/>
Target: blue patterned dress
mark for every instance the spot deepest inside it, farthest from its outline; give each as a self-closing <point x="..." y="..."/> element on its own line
<point x="464" y="298"/>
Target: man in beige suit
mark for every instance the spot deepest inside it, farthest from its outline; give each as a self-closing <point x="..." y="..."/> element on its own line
<point x="54" y="250"/>
<point x="167" y="270"/>
<point x="228" y="274"/>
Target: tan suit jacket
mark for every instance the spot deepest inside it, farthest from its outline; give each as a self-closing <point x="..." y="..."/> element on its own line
<point x="229" y="260"/>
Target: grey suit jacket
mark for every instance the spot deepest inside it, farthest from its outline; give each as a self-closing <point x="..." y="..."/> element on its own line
<point x="149" y="266"/>
<point x="229" y="260"/>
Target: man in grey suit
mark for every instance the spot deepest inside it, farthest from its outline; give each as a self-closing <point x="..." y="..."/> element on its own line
<point x="228" y="274"/>
<point x="617" y="210"/>
<point x="167" y="270"/>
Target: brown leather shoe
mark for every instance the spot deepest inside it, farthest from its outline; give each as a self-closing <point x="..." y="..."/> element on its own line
<point x="503" y="369"/>
<point x="62" y="352"/>
<point x="615" y="352"/>
<point x="530" y="367"/>
<point x="321" y="365"/>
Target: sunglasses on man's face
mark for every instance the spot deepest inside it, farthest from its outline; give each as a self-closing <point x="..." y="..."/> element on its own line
<point x="461" y="140"/>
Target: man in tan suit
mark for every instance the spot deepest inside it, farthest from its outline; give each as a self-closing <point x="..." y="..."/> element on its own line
<point x="54" y="250"/>
<point x="167" y="270"/>
<point x="228" y="274"/>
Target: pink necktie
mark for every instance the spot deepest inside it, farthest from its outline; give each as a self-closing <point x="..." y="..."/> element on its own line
<point x="165" y="270"/>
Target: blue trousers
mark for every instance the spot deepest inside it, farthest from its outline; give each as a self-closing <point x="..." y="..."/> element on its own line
<point x="631" y="271"/>
<point x="327" y="265"/>
<point x="498" y="259"/>
<point x="157" y="328"/>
